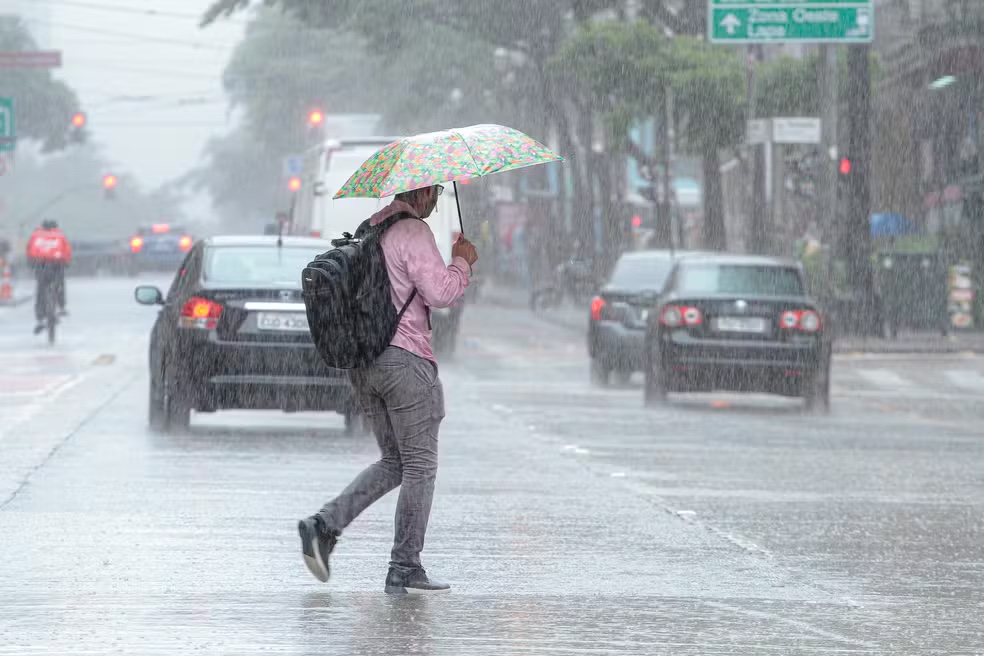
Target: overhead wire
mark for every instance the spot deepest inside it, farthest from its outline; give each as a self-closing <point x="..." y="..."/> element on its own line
<point x="152" y="13"/>
<point x="129" y="35"/>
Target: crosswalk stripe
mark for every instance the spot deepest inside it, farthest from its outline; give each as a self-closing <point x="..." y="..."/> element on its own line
<point x="884" y="378"/>
<point x="965" y="378"/>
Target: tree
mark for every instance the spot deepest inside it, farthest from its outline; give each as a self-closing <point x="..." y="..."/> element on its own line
<point x="44" y="106"/>
<point x="709" y="87"/>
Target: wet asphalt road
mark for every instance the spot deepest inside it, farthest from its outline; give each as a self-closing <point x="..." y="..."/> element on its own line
<point x="569" y="519"/>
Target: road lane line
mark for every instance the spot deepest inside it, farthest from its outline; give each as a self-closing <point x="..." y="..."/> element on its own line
<point x="966" y="379"/>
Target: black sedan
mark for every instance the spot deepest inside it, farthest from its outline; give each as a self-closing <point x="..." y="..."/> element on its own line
<point x="618" y="315"/>
<point x="233" y="334"/>
<point x="737" y="323"/>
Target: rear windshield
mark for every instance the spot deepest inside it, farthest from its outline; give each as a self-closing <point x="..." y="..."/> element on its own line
<point x="739" y="279"/>
<point x="257" y="264"/>
<point x="644" y="273"/>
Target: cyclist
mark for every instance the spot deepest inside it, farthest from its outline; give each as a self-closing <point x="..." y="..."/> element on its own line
<point x="49" y="253"/>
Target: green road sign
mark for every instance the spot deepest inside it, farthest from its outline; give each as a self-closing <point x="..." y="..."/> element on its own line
<point x="786" y="21"/>
<point x="8" y="128"/>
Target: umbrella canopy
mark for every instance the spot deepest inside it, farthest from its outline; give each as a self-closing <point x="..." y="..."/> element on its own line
<point x="891" y="225"/>
<point x="449" y="156"/>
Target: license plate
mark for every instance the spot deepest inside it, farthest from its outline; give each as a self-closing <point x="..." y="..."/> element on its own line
<point x="741" y="325"/>
<point x="287" y="321"/>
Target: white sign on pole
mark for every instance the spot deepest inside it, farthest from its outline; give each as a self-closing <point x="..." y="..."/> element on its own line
<point x="798" y="130"/>
<point x="758" y="131"/>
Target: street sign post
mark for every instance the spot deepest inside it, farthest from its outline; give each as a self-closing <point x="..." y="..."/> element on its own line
<point x="796" y="130"/>
<point x="759" y="131"/>
<point x="31" y="59"/>
<point x="293" y="165"/>
<point x="8" y="125"/>
<point x="788" y="21"/>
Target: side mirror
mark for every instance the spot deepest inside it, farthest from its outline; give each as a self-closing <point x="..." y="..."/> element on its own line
<point x="148" y="295"/>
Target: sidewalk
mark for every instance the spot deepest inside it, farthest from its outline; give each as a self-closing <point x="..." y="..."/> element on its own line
<point x="576" y="318"/>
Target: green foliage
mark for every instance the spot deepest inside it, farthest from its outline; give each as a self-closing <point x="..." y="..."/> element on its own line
<point x="709" y="89"/>
<point x="614" y="66"/>
<point x="44" y="105"/>
<point x="788" y="87"/>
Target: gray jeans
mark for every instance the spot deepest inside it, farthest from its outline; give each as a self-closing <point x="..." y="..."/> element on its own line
<point x="402" y="398"/>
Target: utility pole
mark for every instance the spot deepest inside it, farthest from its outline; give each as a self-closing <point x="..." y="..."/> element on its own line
<point x="758" y="242"/>
<point x="857" y="233"/>
<point x="828" y="210"/>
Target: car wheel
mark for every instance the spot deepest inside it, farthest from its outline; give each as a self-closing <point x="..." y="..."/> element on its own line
<point x="177" y="405"/>
<point x="654" y="389"/>
<point x="599" y="373"/>
<point x="817" y="394"/>
<point x="156" y="412"/>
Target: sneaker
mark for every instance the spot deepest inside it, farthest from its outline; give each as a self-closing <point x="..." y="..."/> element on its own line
<point x="38" y="329"/>
<point x="413" y="582"/>
<point x="317" y="543"/>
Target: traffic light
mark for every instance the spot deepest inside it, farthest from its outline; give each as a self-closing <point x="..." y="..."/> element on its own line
<point x="316" y="118"/>
<point x="845" y="166"/>
<point x="109" y="183"/>
<point x="78" y="120"/>
<point x="294" y="184"/>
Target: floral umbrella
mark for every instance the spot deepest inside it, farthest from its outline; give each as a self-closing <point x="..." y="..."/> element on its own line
<point x="449" y="156"/>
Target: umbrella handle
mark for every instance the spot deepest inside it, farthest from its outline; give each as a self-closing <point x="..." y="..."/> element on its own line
<point x="461" y="224"/>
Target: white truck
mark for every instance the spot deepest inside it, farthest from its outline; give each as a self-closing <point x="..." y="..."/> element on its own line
<point x="329" y="166"/>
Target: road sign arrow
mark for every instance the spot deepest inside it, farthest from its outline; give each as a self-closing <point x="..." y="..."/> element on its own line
<point x="731" y="23"/>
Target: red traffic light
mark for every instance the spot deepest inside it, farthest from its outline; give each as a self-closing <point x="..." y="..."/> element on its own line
<point x="845" y="166"/>
<point x="316" y="118"/>
<point x="294" y="184"/>
<point x="110" y="181"/>
<point x="78" y="120"/>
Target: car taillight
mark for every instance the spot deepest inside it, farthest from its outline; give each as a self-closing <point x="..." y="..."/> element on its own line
<point x="316" y="234"/>
<point x="597" y="306"/>
<point x="185" y="244"/>
<point x="200" y="313"/>
<point x="136" y="244"/>
<point x="807" y="321"/>
<point x="674" y="316"/>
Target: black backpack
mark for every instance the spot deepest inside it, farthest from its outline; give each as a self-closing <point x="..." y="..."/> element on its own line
<point x="348" y="298"/>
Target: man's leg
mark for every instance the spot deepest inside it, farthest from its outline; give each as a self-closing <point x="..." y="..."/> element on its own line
<point x="320" y="532"/>
<point x="61" y="288"/>
<point x="376" y="480"/>
<point x="416" y="408"/>
<point x="43" y="280"/>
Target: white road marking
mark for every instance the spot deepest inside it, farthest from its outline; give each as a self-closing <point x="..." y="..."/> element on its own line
<point x="883" y="378"/>
<point x="966" y="378"/>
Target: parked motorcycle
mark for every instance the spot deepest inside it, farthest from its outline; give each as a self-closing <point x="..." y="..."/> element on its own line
<point x="574" y="280"/>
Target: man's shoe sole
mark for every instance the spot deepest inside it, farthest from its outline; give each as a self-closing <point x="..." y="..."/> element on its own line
<point x="311" y="552"/>
<point x="401" y="590"/>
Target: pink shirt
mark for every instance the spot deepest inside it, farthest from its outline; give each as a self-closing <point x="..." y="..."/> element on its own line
<point x="414" y="262"/>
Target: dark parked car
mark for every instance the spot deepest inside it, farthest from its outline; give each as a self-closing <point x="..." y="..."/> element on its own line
<point x="737" y="323"/>
<point x="233" y="334"/>
<point x="617" y="324"/>
<point x="159" y="247"/>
